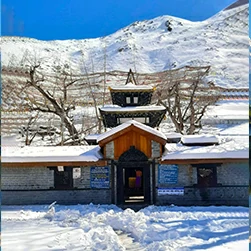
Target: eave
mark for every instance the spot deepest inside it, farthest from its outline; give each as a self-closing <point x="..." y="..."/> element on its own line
<point x="54" y="163"/>
<point x="135" y="129"/>
<point x="203" y="161"/>
<point x="126" y="90"/>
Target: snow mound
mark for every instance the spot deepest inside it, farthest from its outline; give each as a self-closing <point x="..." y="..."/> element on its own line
<point x="107" y="227"/>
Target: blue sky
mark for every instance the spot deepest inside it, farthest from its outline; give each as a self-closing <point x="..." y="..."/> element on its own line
<point x="79" y="19"/>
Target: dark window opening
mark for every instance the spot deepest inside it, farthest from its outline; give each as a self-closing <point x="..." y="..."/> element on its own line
<point x="206" y="176"/>
<point x="63" y="179"/>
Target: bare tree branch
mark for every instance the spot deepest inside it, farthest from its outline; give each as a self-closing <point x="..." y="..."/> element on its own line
<point x="186" y="96"/>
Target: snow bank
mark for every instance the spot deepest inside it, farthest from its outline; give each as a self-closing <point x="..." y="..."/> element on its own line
<point x="107" y="227"/>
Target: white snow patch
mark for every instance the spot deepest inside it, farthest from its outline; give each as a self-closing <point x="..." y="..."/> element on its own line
<point x="115" y="108"/>
<point x="107" y="227"/>
<point x="51" y="153"/>
<point x="229" y="147"/>
<point x="199" y="139"/>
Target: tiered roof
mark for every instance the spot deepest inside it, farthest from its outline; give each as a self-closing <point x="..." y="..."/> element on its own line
<point x="132" y="101"/>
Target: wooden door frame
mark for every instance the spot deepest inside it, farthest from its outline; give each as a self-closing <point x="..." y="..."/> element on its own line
<point x="118" y="177"/>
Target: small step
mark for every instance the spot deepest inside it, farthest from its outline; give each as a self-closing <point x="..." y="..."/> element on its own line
<point x="135" y="199"/>
<point x="134" y="206"/>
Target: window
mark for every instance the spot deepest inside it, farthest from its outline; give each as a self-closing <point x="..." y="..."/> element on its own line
<point x="63" y="179"/>
<point x="135" y="100"/>
<point x="139" y="119"/>
<point x="206" y="176"/>
<point x="132" y="100"/>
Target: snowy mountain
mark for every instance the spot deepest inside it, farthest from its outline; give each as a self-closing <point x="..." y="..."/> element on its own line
<point x="221" y="41"/>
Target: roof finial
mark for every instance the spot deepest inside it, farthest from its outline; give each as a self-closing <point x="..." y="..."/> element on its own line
<point x="130" y="78"/>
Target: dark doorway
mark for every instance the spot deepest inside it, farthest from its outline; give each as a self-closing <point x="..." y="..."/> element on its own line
<point x="206" y="176"/>
<point x="133" y="185"/>
<point x="63" y="179"/>
<point x="133" y="178"/>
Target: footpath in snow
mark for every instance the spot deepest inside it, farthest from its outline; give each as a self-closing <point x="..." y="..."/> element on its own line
<point x="107" y="227"/>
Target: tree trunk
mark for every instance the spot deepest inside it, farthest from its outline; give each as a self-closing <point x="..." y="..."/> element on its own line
<point x="71" y="128"/>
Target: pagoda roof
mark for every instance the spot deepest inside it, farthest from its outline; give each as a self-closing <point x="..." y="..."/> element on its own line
<point x="116" y="108"/>
<point x="132" y="88"/>
<point x="131" y="85"/>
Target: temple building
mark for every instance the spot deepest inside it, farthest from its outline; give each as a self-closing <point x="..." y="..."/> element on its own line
<point x="132" y="101"/>
<point x="131" y="163"/>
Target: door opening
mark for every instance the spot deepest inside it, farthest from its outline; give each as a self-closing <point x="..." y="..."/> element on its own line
<point x="133" y="177"/>
<point x="133" y="185"/>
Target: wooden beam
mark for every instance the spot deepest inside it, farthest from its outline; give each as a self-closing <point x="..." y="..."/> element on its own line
<point x="68" y="163"/>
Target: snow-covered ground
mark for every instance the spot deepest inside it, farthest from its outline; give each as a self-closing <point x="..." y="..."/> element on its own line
<point x="107" y="227"/>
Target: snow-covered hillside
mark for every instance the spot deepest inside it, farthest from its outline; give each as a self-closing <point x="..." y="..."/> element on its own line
<point x="221" y="41"/>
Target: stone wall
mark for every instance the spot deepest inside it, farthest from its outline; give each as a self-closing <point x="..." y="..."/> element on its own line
<point x="233" y="174"/>
<point x="65" y="197"/>
<point x="84" y="180"/>
<point x="155" y="148"/>
<point x="232" y="189"/>
<point x="26" y="178"/>
<point x="227" y="195"/>
<point x="34" y="185"/>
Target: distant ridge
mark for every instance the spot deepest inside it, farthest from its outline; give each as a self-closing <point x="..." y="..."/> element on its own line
<point x="237" y="4"/>
<point x="147" y="47"/>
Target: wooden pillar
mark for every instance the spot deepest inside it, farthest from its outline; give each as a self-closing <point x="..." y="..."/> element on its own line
<point x="113" y="184"/>
<point x="154" y="181"/>
<point x="147" y="192"/>
<point x="120" y="185"/>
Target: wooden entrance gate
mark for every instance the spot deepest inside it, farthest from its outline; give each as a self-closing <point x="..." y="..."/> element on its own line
<point x="131" y="188"/>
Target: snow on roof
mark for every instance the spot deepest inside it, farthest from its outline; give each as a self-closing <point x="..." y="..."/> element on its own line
<point x="115" y="108"/>
<point x="236" y="110"/>
<point x="199" y="139"/>
<point x="229" y="147"/>
<point x="131" y="86"/>
<point x="92" y="136"/>
<point x="234" y="130"/>
<point x="173" y="135"/>
<point x="127" y="124"/>
<point x="51" y="154"/>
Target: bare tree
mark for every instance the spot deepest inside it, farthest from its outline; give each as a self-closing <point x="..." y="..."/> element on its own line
<point x="91" y="83"/>
<point x="186" y="95"/>
<point x="27" y="131"/>
<point x="51" y="98"/>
